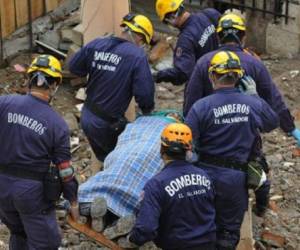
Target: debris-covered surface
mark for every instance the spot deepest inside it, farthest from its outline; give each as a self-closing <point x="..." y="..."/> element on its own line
<point x="280" y="228"/>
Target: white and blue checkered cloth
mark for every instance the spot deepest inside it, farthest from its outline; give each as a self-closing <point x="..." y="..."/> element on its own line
<point x="133" y="162"/>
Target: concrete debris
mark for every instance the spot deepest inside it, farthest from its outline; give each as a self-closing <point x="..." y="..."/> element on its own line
<point x="81" y="95"/>
<point x="74" y="141"/>
<point x="294" y="73"/>
<point x="79" y="107"/>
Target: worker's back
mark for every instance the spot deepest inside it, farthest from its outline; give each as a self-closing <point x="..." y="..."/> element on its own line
<point x="186" y="197"/>
<point x="117" y="70"/>
<point x="226" y="123"/>
<point x="32" y="133"/>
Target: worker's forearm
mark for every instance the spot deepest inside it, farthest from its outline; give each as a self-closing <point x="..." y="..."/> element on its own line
<point x="172" y="75"/>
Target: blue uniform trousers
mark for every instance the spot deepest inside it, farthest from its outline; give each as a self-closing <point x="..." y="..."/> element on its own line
<point x="231" y="203"/>
<point x="99" y="134"/>
<point x="30" y="219"/>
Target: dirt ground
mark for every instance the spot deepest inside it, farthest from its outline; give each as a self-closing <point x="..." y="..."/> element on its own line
<point x="283" y="220"/>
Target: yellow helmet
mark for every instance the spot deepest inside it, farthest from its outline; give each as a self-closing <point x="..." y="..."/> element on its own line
<point x="177" y="137"/>
<point x="163" y="7"/>
<point x="47" y="64"/>
<point x="139" y="24"/>
<point x="225" y="62"/>
<point x="231" y="21"/>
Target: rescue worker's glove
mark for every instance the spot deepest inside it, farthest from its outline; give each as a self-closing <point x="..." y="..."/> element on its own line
<point x="157" y="77"/>
<point x="247" y="85"/>
<point x="296" y="134"/>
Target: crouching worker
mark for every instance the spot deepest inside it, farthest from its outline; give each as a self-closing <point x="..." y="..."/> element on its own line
<point x="177" y="210"/>
<point x="35" y="137"/>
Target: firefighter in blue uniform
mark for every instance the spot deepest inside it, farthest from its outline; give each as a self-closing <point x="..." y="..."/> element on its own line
<point x="177" y="210"/>
<point x="34" y="136"/>
<point x="117" y="70"/>
<point x="231" y="31"/>
<point x="225" y="125"/>
<point x="197" y="37"/>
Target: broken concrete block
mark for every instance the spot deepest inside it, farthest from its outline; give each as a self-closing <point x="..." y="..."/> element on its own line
<point x="125" y="243"/>
<point x="81" y="95"/>
<point x="79" y="107"/>
<point x="64" y="46"/>
<point x="98" y="224"/>
<point x="123" y="227"/>
<point x="73" y="20"/>
<point x="66" y="35"/>
<point x="78" y="35"/>
<point x="51" y="38"/>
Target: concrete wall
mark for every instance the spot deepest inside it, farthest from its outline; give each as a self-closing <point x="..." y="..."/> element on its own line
<point x="283" y="39"/>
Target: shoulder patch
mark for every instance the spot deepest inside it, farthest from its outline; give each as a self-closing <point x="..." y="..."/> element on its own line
<point x="178" y="52"/>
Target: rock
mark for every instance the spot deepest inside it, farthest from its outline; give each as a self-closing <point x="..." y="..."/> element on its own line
<point x="98" y="224"/>
<point x="123" y="227"/>
<point x="124" y="243"/>
<point x="73" y="239"/>
<point x="65" y="8"/>
<point x="71" y="121"/>
<point x="85" y="245"/>
<point x="81" y="94"/>
<point x="288" y="164"/>
<point x="66" y="35"/>
<point x="51" y="38"/>
<point x="294" y="73"/>
<point x="64" y="46"/>
<point x="77" y="36"/>
<point x="148" y="246"/>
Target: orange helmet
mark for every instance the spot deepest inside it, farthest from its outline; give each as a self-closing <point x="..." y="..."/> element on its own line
<point x="177" y="137"/>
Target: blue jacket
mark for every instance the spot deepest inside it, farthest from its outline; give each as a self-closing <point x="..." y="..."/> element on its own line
<point x="117" y="70"/>
<point x="177" y="209"/>
<point x="33" y="135"/>
<point x="200" y="86"/>
<point x="197" y="37"/>
<point x="226" y="123"/>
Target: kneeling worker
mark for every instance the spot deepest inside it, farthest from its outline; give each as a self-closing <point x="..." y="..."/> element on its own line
<point x="177" y="210"/>
<point x="35" y="136"/>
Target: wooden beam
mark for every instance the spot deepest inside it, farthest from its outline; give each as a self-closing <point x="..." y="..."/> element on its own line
<point x="21" y="12"/>
<point x="99" y="237"/>
<point x="51" y="4"/>
<point x="8" y="24"/>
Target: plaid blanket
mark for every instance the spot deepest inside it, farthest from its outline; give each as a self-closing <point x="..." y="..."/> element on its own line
<point x="133" y="162"/>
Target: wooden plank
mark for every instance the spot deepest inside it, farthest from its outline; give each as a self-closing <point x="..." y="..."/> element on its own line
<point x="246" y="239"/>
<point x="21" y="12"/>
<point x="51" y="4"/>
<point x="99" y="237"/>
<point x="7" y="17"/>
<point x="37" y="8"/>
